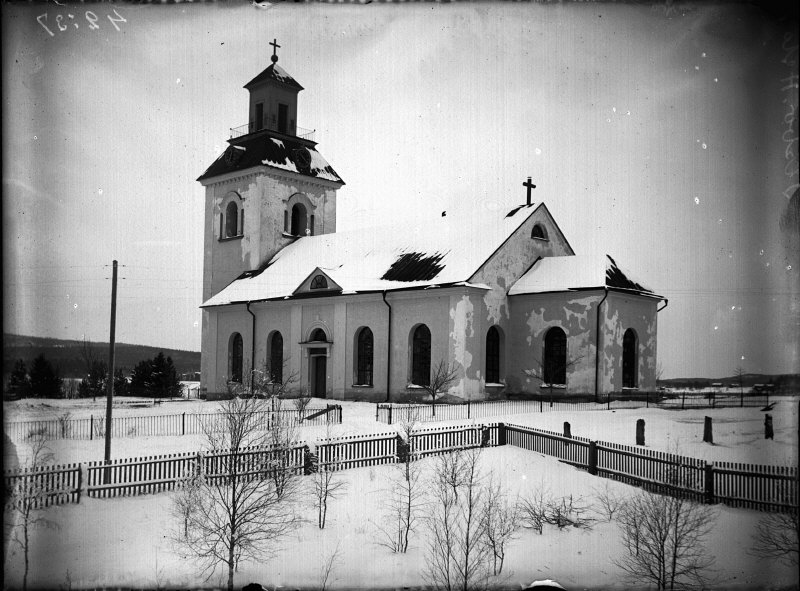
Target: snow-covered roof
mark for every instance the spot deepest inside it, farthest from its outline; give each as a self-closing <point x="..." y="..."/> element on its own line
<point x="569" y="273"/>
<point x="275" y="72"/>
<point x="275" y="150"/>
<point x="444" y="251"/>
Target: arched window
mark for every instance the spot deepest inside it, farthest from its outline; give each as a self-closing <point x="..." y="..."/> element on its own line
<point x="539" y="232"/>
<point x="231" y="220"/>
<point x="276" y="358"/>
<point x="493" y="356"/>
<point x="319" y="282"/>
<point x="364" y="357"/>
<point x="299" y="222"/>
<point x="421" y="356"/>
<point x="235" y="357"/>
<point x="630" y="361"/>
<point x="555" y="356"/>
<point x="319" y="335"/>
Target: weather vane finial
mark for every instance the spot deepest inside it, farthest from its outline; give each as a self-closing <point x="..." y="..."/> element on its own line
<point x="275" y="47"/>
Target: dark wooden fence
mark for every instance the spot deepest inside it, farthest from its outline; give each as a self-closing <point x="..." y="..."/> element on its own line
<point x="157" y="425"/>
<point x="424" y="413"/>
<point x="765" y="488"/>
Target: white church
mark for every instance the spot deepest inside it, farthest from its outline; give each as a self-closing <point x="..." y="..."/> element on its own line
<point x="369" y="314"/>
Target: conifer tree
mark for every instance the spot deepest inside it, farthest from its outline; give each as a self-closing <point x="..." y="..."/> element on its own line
<point x="19" y="383"/>
<point x="45" y="381"/>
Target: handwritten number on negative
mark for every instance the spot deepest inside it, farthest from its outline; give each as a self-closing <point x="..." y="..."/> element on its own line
<point x="44" y="16"/>
<point x="92" y="18"/>
<point x="114" y="21"/>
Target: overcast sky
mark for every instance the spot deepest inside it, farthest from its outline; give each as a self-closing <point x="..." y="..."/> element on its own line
<point x="663" y="135"/>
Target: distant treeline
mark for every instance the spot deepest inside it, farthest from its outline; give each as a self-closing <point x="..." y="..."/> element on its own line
<point x="69" y="356"/>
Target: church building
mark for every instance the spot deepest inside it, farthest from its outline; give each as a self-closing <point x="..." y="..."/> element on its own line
<point x="369" y="314"/>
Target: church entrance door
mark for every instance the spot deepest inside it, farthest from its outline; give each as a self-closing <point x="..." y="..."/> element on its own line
<point x="319" y="371"/>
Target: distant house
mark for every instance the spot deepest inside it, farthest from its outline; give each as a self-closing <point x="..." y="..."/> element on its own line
<point x="367" y="314"/>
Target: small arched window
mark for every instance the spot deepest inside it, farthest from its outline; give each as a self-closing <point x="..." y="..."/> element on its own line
<point x="299" y="221"/>
<point x="630" y="361"/>
<point x="319" y="282"/>
<point x="493" y="356"/>
<point x="235" y="357"/>
<point x="421" y="356"/>
<point x="555" y="356"/>
<point x="231" y="220"/>
<point x="276" y="358"/>
<point x="539" y="232"/>
<point x="364" y="343"/>
<point x="319" y="335"/>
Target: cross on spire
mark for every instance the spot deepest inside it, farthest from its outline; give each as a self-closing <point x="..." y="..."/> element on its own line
<point x="275" y="47"/>
<point x="530" y="186"/>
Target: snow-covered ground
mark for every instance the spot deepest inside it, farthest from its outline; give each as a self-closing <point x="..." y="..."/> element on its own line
<point x="125" y="541"/>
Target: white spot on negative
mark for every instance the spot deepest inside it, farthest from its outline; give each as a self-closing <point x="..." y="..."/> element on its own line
<point x="704" y="145"/>
<point x="703" y="54"/>
<point x="697" y="67"/>
<point x="35" y="137"/>
<point x="733" y="307"/>
<point x="761" y="253"/>
<point x="538" y="151"/>
<point x="608" y="120"/>
<point x="716" y="327"/>
<point x="614" y="109"/>
<point x="788" y="267"/>
<point x="697" y="200"/>
<point x="75" y="306"/>
<point x="178" y="81"/>
<point x="196" y="324"/>
<point x="100" y="191"/>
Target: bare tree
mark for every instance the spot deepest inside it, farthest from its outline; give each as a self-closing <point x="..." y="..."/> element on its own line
<point x="26" y="499"/>
<point x="543" y="372"/>
<point x="665" y="537"/>
<point x="608" y="502"/>
<point x="231" y="507"/>
<point x="739" y="374"/>
<point x="300" y="404"/>
<point x="777" y="537"/>
<point x="405" y="495"/>
<point x="328" y="565"/>
<point x="457" y="553"/>
<point x="442" y="377"/>
<point x="327" y="480"/>
<point x="500" y="522"/>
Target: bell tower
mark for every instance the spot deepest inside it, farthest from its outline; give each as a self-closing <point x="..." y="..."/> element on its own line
<point x="273" y="99"/>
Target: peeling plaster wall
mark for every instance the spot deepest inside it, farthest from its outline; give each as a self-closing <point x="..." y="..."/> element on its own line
<point x="575" y="314"/>
<point x="512" y="260"/>
<point x="621" y="312"/>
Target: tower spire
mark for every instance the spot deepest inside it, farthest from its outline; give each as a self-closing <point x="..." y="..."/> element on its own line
<point x="275" y="47"/>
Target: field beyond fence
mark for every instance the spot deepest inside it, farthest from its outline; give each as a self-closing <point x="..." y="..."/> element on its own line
<point x="764" y="488"/>
<point x="145" y="426"/>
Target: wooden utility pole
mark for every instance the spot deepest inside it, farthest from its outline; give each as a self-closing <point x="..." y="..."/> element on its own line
<point x="110" y="378"/>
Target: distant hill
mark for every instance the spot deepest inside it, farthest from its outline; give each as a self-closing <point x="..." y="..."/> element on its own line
<point x="781" y="381"/>
<point x="67" y="355"/>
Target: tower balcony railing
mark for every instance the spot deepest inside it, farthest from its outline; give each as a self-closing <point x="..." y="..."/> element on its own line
<point x="302" y="132"/>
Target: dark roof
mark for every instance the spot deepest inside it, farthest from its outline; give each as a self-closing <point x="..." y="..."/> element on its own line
<point x="615" y="277"/>
<point x="275" y="150"/>
<point x="276" y="73"/>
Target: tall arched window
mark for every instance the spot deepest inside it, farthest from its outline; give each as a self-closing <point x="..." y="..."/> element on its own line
<point x="421" y="356"/>
<point x="493" y="356"/>
<point x="235" y="357"/>
<point x="555" y="356"/>
<point x="276" y="358"/>
<point x="319" y="335"/>
<point x="364" y="344"/>
<point x="231" y="220"/>
<point x="630" y="361"/>
<point x="299" y="222"/>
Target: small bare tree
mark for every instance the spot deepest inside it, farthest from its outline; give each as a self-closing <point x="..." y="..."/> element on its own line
<point x="664" y="537"/>
<point x="608" y="502"/>
<point x="457" y="553"/>
<point x="26" y="499"/>
<point x="231" y="508"/>
<point x="777" y="536"/>
<point x="405" y="495"/>
<point x="442" y="377"/>
<point x="546" y="370"/>
<point x="300" y="404"/>
<point x="327" y="568"/>
<point x="500" y="522"/>
<point x="327" y="480"/>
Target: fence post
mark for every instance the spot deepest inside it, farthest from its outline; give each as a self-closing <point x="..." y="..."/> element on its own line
<point x="80" y="481"/>
<point x="390" y="415"/>
<point x="183" y="424"/>
<point x="377" y="408"/>
<point x="91" y="427"/>
<point x="468" y="409"/>
<point x="593" y="458"/>
<point x="501" y="434"/>
<point x="541" y="402"/>
<point x="709" y="483"/>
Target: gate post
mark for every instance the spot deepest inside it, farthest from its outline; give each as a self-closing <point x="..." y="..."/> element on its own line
<point x="183" y="424"/>
<point x="468" y="409"/>
<point x="91" y="427"/>
<point x="709" y="483"/>
<point x="390" y="415"/>
<point x="501" y="434"/>
<point x="593" y="458"/>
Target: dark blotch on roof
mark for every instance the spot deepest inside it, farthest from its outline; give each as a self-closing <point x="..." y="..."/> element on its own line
<point x="414" y="266"/>
<point x="616" y="278"/>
